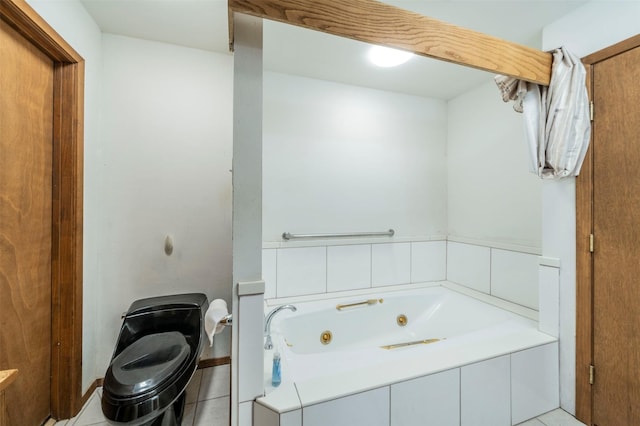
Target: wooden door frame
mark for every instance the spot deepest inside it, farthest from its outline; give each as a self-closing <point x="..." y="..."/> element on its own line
<point x="584" y="258"/>
<point x="67" y="204"/>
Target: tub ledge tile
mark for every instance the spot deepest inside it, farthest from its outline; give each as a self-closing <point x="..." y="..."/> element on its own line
<point x="284" y="398"/>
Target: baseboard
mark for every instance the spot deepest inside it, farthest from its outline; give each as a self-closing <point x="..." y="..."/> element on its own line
<point x="92" y="387"/>
<point x="214" y="362"/>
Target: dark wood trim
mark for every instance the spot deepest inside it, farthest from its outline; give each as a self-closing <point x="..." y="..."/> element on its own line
<point x="67" y="205"/>
<point x="383" y="24"/>
<point x="584" y="259"/>
<point x="67" y="240"/>
<point x="214" y="362"/>
<point x="584" y="277"/>
<point x="92" y="388"/>
<point x="27" y="22"/>
<point x="613" y="50"/>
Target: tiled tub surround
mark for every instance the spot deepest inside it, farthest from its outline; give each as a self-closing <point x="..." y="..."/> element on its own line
<point x="298" y="271"/>
<point x="507" y="274"/>
<point x="503" y="374"/>
<point x="324" y="269"/>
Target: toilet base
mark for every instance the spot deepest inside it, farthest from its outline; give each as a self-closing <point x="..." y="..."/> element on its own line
<point x="172" y="416"/>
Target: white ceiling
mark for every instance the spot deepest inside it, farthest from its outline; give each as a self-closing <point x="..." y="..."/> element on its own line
<point x="202" y="24"/>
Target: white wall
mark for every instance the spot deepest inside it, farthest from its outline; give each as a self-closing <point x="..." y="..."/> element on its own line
<point x="340" y="158"/>
<point x="73" y="23"/>
<point x="579" y="30"/>
<point x="166" y="157"/>
<point x="492" y="198"/>
<point x="582" y="33"/>
<point x="157" y="159"/>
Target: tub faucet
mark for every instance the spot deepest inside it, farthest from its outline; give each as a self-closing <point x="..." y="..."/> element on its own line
<point x="267" y="323"/>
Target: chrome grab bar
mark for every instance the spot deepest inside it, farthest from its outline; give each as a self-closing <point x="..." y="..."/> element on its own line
<point x="290" y="236"/>
<point x="364" y="302"/>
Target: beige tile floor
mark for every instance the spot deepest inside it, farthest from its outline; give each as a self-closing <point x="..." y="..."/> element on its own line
<point x="207" y="403"/>
<point x="556" y="417"/>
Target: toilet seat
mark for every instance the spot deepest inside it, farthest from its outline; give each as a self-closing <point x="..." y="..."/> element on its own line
<point x="147" y="363"/>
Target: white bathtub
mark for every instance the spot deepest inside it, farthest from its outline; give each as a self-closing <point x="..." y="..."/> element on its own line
<point x="434" y="312"/>
<point x="461" y="329"/>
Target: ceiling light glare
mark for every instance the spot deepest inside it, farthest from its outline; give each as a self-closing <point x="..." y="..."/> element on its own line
<point x="387" y="57"/>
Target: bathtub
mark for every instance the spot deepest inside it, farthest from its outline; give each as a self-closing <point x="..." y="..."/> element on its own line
<point x="344" y="346"/>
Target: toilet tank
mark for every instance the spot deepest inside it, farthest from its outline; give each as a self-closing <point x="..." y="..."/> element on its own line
<point x="179" y="312"/>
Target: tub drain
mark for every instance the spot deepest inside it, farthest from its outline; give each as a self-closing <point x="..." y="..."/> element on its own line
<point x="325" y="337"/>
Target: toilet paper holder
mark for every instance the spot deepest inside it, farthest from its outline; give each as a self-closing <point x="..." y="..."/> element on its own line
<point x="227" y="320"/>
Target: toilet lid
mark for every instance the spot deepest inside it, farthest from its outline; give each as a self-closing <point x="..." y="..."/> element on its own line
<point x="147" y="363"/>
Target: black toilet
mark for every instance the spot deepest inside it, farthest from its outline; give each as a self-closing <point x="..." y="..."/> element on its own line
<point x="155" y="357"/>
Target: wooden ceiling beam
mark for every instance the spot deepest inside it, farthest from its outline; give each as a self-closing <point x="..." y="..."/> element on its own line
<point x="382" y="24"/>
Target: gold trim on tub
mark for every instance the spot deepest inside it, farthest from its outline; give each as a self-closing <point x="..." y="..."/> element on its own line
<point x="326" y="337"/>
<point x="364" y="302"/>
<point x="415" y="342"/>
<point x="402" y="320"/>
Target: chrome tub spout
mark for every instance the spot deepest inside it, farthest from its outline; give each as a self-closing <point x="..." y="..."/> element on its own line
<point x="268" y="344"/>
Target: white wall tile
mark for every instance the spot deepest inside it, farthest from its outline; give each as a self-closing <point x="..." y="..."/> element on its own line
<point x="269" y="272"/>
<point x="514" y="277"/>
<point x="428" y="261"/>
<point x="391" y="264"/>
<point x="291" y="418"/>
<point x="549" y="300"/>
<point x="263" y="416"/>
<point x="469" y="265"/>
<point x="485" y="393"/>
<point x="250" y="351"/>
<point x="435" y="397"/>
<point x="215" y="382"/>
<point x="534" y="382"/>
<point x="245" y="414"/>
<point x="302" y="271"/>
<point x="348" y="267"/>
<point x="363" y="409"/>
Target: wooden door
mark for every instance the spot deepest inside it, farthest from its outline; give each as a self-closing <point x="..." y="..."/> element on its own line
<point x="26" y="155"/>
<point x="616" y="227"/>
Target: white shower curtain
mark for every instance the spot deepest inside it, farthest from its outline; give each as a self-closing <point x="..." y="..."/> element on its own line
<point x="556" y="117"/>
